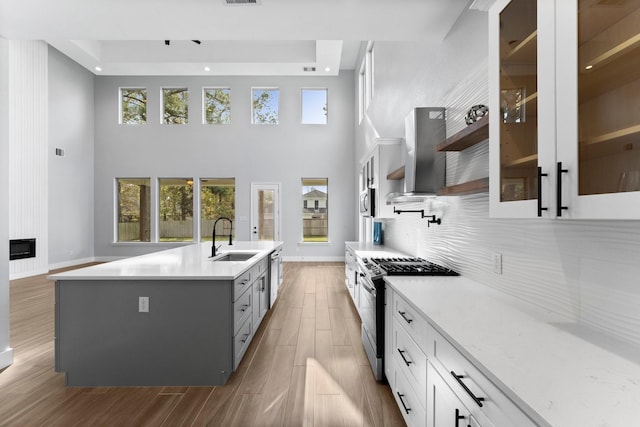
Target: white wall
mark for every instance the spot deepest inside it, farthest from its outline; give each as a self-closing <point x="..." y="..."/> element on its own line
<point x="6" y="354"/>
<point x="28" y="111"/>
<point x="70" y="176"/>
<point x="251" y="153"/>
<point x="584" y="270"/>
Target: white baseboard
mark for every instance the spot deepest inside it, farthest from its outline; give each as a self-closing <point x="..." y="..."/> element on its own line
<point x="313" y="259"/>
<point x="6" y="358"/>
<point x="70" y="263"/>
<point x="23" y="274"/>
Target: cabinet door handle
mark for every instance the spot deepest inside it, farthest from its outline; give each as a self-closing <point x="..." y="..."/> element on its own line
<point x="245" y="337"/>
<point x="406" y="319"/>
<point x="476" y="399"/>
<point x="559" y="207"/>
<point x="406" y="408"/>
<point x="540" y="175"/>
<point x="244" y="307"/>
<point x="243" y="282"/>
<point x="402" y="352"/>
<point x="458" y="416"/>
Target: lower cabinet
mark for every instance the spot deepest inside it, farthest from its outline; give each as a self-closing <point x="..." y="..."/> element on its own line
<point x="444" y="408"/>
<point x="433" y="383"/>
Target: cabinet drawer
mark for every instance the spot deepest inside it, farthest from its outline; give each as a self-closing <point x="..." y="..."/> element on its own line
<point x="410" y="359"/>
<point x="260" y="267"/>
<point x="241" y="284"/>
<point x="411" y="320"/>
<point x="241" y="342"/>
<point x="475" y="390"/>
<point x="242" y="309"/>
<point x="410" y="405"/>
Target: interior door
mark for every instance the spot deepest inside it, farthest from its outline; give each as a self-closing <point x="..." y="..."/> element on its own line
<point x="265" y="212"/>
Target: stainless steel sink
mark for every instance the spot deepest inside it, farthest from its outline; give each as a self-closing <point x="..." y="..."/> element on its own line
<point x="234" y="256"/>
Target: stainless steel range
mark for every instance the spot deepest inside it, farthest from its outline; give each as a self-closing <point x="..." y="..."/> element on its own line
<point x="371" y="307"/>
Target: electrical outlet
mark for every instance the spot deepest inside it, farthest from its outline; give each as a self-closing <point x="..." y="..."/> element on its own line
<point x="497" y="263"/>
<point x="143" y="304"/>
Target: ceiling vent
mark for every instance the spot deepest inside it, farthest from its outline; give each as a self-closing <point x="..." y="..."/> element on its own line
<point x="241" y="2"/>
<point x="309" y="69"/>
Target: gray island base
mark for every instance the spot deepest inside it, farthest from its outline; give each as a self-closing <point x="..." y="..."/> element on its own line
<point x="195" y="332"/>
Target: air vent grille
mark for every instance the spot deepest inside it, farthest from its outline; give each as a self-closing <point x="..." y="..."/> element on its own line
<point x="241" y="2"/>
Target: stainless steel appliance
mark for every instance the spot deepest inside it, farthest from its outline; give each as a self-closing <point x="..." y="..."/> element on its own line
<point x="368" y="202"/>
<point x="275" y="275"/>
<point x="371" y="306"/>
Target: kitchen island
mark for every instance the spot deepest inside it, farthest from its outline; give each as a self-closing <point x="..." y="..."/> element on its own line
<point x="171" y="318"/>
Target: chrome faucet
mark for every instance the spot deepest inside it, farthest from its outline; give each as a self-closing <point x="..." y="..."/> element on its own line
<point x="213" y="237"/>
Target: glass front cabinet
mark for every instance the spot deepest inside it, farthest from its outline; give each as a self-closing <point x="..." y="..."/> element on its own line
<point x="564" y="102"/>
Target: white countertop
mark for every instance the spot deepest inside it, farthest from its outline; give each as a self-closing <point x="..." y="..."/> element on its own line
<point x="186" y="262"/>
<point x="556" y="371"/>
<point x="369" y="250"/>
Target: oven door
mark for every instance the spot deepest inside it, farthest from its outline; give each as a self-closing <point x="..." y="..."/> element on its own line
<point x="372" y="334"/>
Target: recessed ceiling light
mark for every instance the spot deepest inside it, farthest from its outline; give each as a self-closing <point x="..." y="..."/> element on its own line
<point x="97" y="68"/>
<point x="207" y="69"/>
<point x="327" y="69"/>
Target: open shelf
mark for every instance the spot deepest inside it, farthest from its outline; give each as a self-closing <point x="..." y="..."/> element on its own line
<point x="396" y="174"/>
<point x="471" y="187"/>
<point x="469" y="136"/>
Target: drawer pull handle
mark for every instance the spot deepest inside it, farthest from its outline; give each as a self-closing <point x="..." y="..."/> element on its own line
<point x="458" y="416"/>
<point x="476" y="399"/>
<point x="244" y="307"/>
<point x="244" y="282"/>
<point x="400" y="396"/>
<point x="402" y="352"/>
<point x="245" y="337"/>
<point x="406" y="319"/>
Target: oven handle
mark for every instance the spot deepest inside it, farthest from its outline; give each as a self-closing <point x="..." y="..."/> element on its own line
<point x="365" y="286"/>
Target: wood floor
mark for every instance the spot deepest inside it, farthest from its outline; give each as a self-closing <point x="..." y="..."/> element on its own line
<point x="305" y="367"/>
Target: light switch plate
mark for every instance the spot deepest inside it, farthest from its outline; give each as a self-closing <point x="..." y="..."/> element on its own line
<point x="497" y="263"/>
<point x="143" y="304"/>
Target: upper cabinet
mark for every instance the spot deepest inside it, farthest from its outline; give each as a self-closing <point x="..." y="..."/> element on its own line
<point x="564" y="76"/>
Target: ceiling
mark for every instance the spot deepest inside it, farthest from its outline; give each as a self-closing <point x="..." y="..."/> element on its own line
<point x="271" y="37"/>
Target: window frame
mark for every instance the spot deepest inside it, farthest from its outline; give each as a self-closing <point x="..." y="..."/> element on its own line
<point x="200" y="204"/>
<point x="305" y="183"/>
<point x="158" y="212"/>
<point x="162" y="108"/>
<point x="121" y="110"/>
<point x="326" y="104"/>
<point x="204" y="104"/>
<point x="265" y="88"/>
<point x="116" y="213"/>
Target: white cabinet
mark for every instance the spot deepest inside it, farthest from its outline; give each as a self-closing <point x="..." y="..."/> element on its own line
<point x="350" y="271"/>
<point x="385" y="157"/>
<point x="563" y="90"/>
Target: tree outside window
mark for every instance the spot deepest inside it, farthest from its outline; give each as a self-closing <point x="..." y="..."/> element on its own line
<point x="133" y="104"/>
<point x="175" y="209"/>
<point x="314" y="106"/>
<point x="134" y="209"/>
<point x="217" y="199"/>
<point x="217" y="106"/>
<point x="315" y="220"/>
<point x="265" y="105"/>
<point x="175" y="106"/>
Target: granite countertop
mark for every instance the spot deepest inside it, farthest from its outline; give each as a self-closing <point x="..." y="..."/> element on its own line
<point x="190" y="262"/>
<point x="558" y="372"/>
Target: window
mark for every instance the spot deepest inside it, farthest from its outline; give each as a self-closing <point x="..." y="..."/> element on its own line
<point x="366" y="81"/>
<point x="314" y="106"/>
<point x="175" y="106"/>
<point x="176" y="209"/>
<point x="315" y="221"/>
<point x="134" y="209"/>
<point x="217" y="199"/>
<point x="217" y="106"/>
<point x="133" y="106"/>
<point x="264" y="106"/>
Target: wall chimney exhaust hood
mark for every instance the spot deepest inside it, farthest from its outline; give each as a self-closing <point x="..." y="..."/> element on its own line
<point x="424" y="169"/>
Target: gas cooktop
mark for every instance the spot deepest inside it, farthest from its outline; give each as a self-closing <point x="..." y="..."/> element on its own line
<point x="406" y="266"/>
